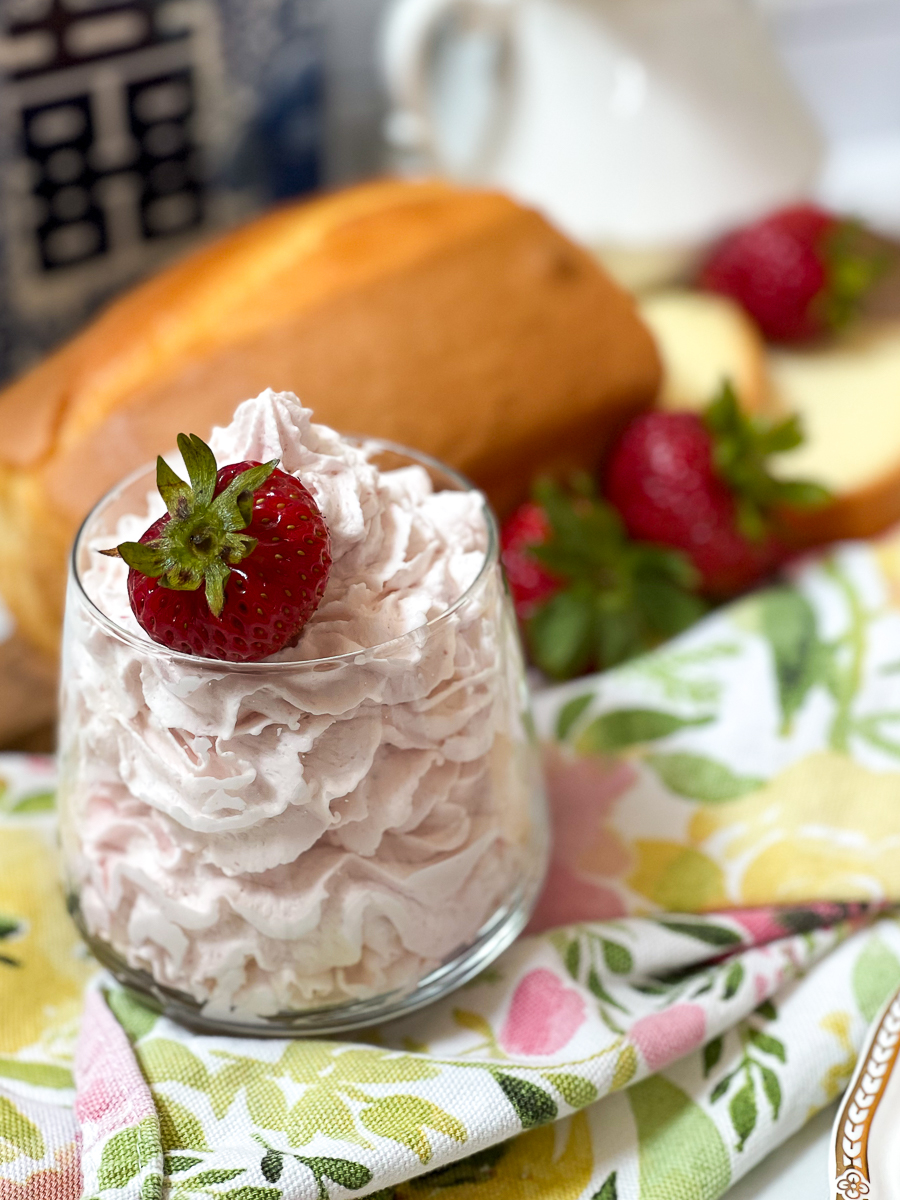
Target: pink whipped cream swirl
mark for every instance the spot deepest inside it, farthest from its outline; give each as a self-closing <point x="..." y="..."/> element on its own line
<point x="267" y="840"/>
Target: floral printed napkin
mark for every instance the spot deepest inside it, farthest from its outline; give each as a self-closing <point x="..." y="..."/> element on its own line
<point x="715" y="935"/>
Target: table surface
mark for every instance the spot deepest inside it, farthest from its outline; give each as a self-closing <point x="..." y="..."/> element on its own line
<point x="798" y="1170"/>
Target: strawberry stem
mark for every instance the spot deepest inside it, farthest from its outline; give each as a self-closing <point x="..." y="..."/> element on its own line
<point x="741" y="447"/>
<point x="202" y="539"/>
<point x="619" y="597"/>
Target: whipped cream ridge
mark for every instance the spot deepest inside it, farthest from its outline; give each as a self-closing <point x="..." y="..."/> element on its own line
<point x="299" y="833"/>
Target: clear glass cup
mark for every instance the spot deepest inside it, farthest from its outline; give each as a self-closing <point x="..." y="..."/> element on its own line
<point x="298" y="847"/>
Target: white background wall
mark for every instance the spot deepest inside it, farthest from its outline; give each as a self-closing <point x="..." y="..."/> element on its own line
<point x="844" y="56"/>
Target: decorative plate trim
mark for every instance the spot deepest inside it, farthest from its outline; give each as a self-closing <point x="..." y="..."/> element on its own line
<point x="850" y="1138"/>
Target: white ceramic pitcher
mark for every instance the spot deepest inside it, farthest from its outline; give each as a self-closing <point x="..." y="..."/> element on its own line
<point x="629" y="122"/>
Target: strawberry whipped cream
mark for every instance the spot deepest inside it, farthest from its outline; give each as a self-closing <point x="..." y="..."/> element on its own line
<point x="272" y="837"/>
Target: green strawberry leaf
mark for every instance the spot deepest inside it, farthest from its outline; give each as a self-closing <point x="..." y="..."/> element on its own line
<point x="201" y="540"/>
<point x="854" y="261"/>
<point x="742" y="444"/>
<point x="619" y="597"/>
<point x="559" y="634"/>
<point x="201" y="467"/>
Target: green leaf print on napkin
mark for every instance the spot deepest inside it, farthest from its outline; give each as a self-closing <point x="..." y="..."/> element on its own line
<point x="533" y="1105"/>
<point x="126" y="1153"/>
<point x="405" y="1119"/>
<point x="569" y="714"/>
<point x="698" y="778"/>
<point x="179" y="1129"/>
<point x="608" y="1191"/>
<point x="748" y="1070"/>
<point x="576" y="1092"/>
<point x="788" y="623"/>
<point x="347" y="1174"/>
<point x="330" y="1102"/>
<point x="681" y="1151"/>
<point x="18" y="1135"/>
<point x="36" y="1073"/>
<point x="33" y="802"/>
<point x="135" y="1018"/>
<point x="9" y="928"/>
<point x="876" y="975"/>
<point x="625" y="727"/>
<point x="804" y="660"/>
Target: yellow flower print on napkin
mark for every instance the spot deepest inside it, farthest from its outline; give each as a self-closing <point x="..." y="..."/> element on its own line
<point x="678" y="878"/>
<point x="530" y="1167"/>
<point x="45" y="968"/>
<point x="826" y="828"/>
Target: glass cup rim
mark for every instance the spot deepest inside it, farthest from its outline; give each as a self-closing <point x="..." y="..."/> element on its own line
<point x="146" y="645"/>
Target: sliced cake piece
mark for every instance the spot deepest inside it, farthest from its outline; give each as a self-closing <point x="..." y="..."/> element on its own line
<point x="848" y="396"/>
<point x="703" y="339"/>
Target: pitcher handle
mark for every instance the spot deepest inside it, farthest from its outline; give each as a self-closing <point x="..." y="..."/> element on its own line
<point x="408" y="50"/>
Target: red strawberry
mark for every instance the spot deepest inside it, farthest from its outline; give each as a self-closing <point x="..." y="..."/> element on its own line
<point x="700" y="483"/>
<point x="530" y="583"/>
<point x="799" y="272"/>
<point x="586" y="594"/>
<point x="251" y="535"/>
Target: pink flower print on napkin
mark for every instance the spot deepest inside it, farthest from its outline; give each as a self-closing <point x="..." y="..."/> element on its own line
<point x="588" y="854"/>
<point x="110" y="1091"/>
<point x="62" y="1181"/>
<point x="770" y="924"/>
<point x="760" y="923"/>
<point x="666" y="1036"/>
<point x="543" y="1017"/>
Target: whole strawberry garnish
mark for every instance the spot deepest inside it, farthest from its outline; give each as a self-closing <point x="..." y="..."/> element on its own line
<point x="700" y="483"/>
<point x="799" y="272"/>
<point x="238" y="564"/>
<point x="529" y="581"/>
<point x="588" y="595"/>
